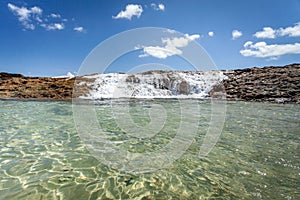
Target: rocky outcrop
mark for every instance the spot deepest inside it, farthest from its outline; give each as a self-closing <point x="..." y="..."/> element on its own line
<point x="273" y="84"/>
<point x="19" y="86"/>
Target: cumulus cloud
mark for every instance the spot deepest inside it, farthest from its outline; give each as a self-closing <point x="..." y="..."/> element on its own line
<point x="293" y="31"/>
<point x="171" y="46"/>
<point x="130" y="11"/>
<point x="236" y="34"/>
<point x="79" y="29"/>
<point x="248" y="44"/>
<point x="159" y="52"/>
<point x="159" y="7"/>
<point x="273" y="51"/>
<point x="268" y="32"/>
<point x="26" y="15"/>
<point x="54" y="26"/>
<point x="211" y="34"/>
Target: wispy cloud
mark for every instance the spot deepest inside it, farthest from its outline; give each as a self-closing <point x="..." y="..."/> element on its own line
<point x="54" y="26"/>
<point x="130" y="11"/>
<point x="55" y="15"/>
<point x="32" y="17"/>
<point x="79" y="29"/>
<point x="273" y="51"/>
<point x="172" y="46"/>
<point x="268" y="32"/>
<point x="158" y="7"/>
<point x="236" y="34"/>
<point x="26" y="15"/>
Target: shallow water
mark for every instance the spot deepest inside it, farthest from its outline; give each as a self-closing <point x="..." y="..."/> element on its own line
<point x="256" y="157"/>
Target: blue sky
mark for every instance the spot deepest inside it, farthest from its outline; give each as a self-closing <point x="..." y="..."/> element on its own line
<point x="50" y="38"/>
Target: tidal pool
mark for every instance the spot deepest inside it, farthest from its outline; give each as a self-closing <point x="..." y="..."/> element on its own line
<point x="256" y="157"/>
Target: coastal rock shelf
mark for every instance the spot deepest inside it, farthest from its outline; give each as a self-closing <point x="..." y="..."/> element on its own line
<point x="274" y="84"/>
<point x="19" y="86"/>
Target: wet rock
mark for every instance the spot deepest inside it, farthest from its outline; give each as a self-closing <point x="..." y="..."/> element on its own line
<point x="184" y="88"/>
<point x="273" y="84"/>
<point x="132" y="79"/>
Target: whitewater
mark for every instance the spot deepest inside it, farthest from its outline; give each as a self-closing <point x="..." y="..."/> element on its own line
<point x="152" y="84"/>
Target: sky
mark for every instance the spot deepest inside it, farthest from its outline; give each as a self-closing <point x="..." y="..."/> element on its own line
<point x="54" y="37"/>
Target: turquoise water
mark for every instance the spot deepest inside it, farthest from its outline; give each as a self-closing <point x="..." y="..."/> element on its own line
<point x="256" y="157"/>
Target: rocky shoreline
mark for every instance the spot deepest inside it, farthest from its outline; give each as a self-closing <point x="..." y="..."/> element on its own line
<point x="17" y="86"/>
<point x="271" y="84"/>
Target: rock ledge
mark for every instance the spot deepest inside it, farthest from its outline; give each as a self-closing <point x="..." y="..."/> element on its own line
<point x="272" y="84"/>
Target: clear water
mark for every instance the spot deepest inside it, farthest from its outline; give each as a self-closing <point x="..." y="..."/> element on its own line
<point x="256" y="157"/>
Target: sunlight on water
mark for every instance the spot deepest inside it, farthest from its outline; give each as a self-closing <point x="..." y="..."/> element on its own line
<point x="256" y="157"/>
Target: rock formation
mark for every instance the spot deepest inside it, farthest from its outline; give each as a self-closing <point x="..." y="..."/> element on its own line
<point x="19" y="86"/>
<point x="274" y="84"/>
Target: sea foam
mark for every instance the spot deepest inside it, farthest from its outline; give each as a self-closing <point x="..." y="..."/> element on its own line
<point x="153" y="84"/>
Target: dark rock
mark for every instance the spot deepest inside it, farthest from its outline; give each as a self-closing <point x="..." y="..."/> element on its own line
<point x="274" y="84"/>
<point x="184" y="88"/>
<point x="132" y="79"/>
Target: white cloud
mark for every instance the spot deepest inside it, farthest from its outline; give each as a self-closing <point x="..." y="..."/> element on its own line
<point x="161" y="6"/>
<point x="170" y="48"/>
<point x="32" y="17"/>
<point x="26" y="15"/>
<point x="211" y="33"/>
<point x="36" y="10"/>
<point x="236" y="34"/>
<point x="23" y="13"/>
<point x="38" y="19"/>
<point x="79" y="29"/>
<point x="130" y="11"/>
<point x="247" y="44"/>
<point x="158" y="7"/>
<point x="272" y="58"/>
<point x="170" y="31"/>
<point x="273" y="51"/>
<point x="192" y="37"/>
<point x="293" y="31"/>
<point x="159" y="52"/>
<point x="54" y="26"/>
<point x="55" y="15"/>
<point x="267" y="32"/>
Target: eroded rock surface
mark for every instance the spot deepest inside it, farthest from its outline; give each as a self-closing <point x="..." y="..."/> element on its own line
<point x="19" y="86"/>
<point x="273" y="84"/>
